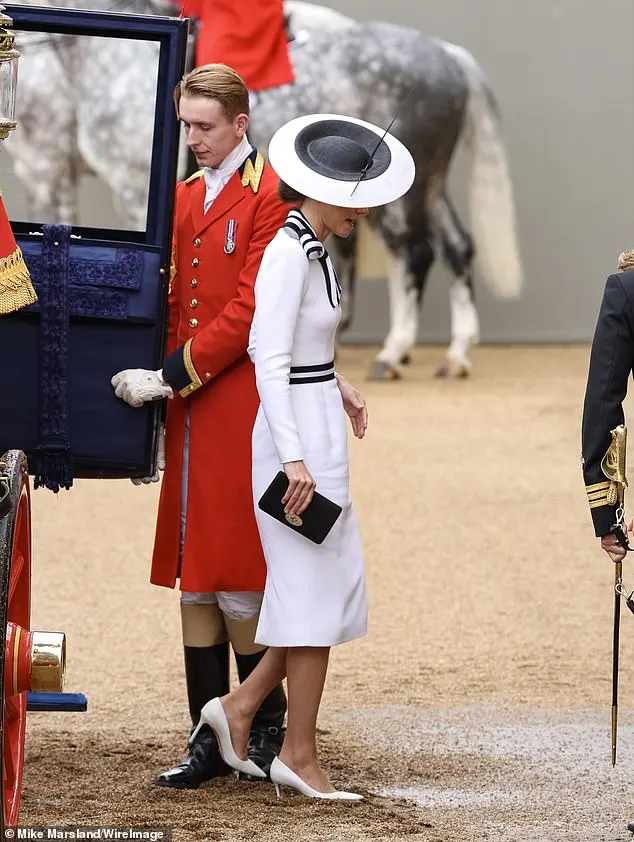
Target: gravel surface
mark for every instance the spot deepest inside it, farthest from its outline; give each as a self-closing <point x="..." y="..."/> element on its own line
<point x="477" y="708"/>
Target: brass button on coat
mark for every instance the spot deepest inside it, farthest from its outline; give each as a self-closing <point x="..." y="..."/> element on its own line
<point x="195" y="262"/>
<point x="194" y="282"/>
<point x="197" y="242"/>
<point x="193" y="322"/>
<point x="193" y="303"/>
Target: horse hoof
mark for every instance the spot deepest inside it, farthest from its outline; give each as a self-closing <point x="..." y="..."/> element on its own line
<point x="384" y="371"/>
<point x="406" y="359"/>
<point x="453" y="370"/>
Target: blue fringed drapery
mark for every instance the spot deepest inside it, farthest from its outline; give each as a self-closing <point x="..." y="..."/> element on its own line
<point x="71" y="280"/>
<point x="53" y="466"/>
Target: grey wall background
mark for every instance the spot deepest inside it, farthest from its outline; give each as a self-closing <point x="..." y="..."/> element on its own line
<point x="563" y="73"/>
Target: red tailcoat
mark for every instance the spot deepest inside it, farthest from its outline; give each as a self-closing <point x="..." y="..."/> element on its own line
<point x="211" y="308"/>
<point x="248" y="35"/>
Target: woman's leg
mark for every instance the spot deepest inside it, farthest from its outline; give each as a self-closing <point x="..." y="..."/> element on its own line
<point x="306" y="674"/>
<point x="241" y="705"/>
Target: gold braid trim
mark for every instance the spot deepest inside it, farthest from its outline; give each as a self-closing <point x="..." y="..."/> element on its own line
<point x="16" y="290"/>
<point x="252" y="175"/>
<point x="173" y="270"/>
<point x="190" y="368"/>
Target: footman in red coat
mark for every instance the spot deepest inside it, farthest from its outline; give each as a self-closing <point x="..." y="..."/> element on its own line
<point x="206" y="534"/>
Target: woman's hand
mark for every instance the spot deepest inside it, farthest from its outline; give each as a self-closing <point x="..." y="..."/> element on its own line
<point x="354" y="406"/>
<point x="301" y="487"/>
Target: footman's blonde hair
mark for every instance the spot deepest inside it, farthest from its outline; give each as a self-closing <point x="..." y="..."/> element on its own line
<point x="215" y="81"/>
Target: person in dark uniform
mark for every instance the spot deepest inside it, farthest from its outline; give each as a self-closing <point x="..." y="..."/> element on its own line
<point x="611" y="363"/>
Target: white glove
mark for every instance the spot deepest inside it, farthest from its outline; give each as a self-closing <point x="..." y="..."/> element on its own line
<point x="160" y="462"/>
<point x="135" y="386"/>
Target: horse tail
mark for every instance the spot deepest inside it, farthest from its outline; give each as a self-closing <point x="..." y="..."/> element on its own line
<point x="492" y="208"/>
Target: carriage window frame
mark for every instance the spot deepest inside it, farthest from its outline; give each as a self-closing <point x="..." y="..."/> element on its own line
<point x="171" y="35"/>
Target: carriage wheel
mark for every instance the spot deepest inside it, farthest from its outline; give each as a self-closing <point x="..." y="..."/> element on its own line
<point x="15" y="609"/>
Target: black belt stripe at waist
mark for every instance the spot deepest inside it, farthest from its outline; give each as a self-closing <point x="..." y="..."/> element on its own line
<point x="312" y="373"/>
<point x="317" y="378"/>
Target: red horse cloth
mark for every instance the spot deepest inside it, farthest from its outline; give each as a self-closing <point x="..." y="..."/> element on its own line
<point x="248" y="35"/>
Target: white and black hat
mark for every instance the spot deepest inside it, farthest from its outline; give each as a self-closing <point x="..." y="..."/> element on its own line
<point x="341" y="161"/>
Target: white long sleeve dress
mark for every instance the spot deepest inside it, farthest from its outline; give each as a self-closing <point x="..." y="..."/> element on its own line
<point x="315" y="594"/>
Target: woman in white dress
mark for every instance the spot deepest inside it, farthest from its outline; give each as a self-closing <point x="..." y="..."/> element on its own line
<point x="332" y="168"/>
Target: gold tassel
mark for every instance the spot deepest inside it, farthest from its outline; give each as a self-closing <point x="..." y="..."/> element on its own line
<point x="16" y="289"/>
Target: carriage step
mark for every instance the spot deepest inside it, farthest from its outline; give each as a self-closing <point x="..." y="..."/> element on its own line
<point x="56" y="701"/>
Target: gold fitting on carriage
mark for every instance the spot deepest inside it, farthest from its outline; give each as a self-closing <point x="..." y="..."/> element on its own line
<point x="8" y="75"/>
<point x="48" y="661"/>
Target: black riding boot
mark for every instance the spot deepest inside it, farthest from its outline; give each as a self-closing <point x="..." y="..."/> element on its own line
<point x="207" y="676"/>
<point x="267" y="731"/>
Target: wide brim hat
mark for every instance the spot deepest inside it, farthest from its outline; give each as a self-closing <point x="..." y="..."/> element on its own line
<point x="341" y="161"/>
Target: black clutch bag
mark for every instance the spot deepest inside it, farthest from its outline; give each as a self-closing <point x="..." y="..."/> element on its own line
<point x="315" y="523"/>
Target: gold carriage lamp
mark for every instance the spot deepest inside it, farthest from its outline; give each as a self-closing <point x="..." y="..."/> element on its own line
<point x="8" y="75"/>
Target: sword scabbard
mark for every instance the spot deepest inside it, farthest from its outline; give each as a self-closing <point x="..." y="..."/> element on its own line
<point x="615" y="654"/>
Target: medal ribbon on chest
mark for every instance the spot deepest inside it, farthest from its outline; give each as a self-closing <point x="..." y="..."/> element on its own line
<point x="230" y="236"/>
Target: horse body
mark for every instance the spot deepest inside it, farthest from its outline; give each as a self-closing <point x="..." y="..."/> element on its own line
<point x="377" y="71"/>
<point x="101" y="92"/>
<point x="85" y="103"/>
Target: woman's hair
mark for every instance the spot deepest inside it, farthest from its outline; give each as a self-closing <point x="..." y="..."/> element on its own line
<point x="288" y="195"/>
<point x="626" y="260"/>
<point x="215" y="81"/>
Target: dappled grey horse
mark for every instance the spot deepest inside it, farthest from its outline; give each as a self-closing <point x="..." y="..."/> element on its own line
<point x="85" y="103"/>
<point x="99" y="100"/>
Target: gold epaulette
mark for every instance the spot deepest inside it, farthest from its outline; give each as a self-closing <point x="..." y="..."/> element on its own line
<point x="599" y="494"/>
<point x="252" y="175"/>
<point x="194" y="176"/>
<point x="16" y="290"/>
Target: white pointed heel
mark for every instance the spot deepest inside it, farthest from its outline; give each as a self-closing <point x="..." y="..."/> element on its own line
<point x="213" y="714"/>
<point x="282" y="775"/>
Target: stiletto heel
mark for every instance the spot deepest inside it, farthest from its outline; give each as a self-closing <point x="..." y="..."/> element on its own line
<point x="281" y="774"/>
<point x="213" y="714"/>
<point x="196" y="730"/>
<point x="278" y="789"/>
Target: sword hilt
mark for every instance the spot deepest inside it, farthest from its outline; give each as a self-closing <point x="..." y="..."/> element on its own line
<point x="621" y="537"/>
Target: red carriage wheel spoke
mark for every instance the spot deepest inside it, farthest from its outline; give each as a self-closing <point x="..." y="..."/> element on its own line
<point x="8" y="766"/>
<point x="18" y="611"/>
<point x="18" y="564"/>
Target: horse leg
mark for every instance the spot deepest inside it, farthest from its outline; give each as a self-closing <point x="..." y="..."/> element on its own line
<point x="458" y="253"/>
<point x="66" y="198"/>
<point x="408" y="269"/>
<point x="48" y="190"/>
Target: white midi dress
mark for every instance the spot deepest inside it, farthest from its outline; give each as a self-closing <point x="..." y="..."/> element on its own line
<point x="315" y="594"/>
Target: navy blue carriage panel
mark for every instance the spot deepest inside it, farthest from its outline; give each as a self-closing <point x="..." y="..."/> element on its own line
<point x="102" y="297"/>
<point x="100" y="309"/>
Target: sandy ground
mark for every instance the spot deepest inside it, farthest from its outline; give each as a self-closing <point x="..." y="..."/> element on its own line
<point x="477" y="708"/>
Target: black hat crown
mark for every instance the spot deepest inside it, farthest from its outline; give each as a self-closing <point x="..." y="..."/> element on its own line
<point x="342" y="150"/>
